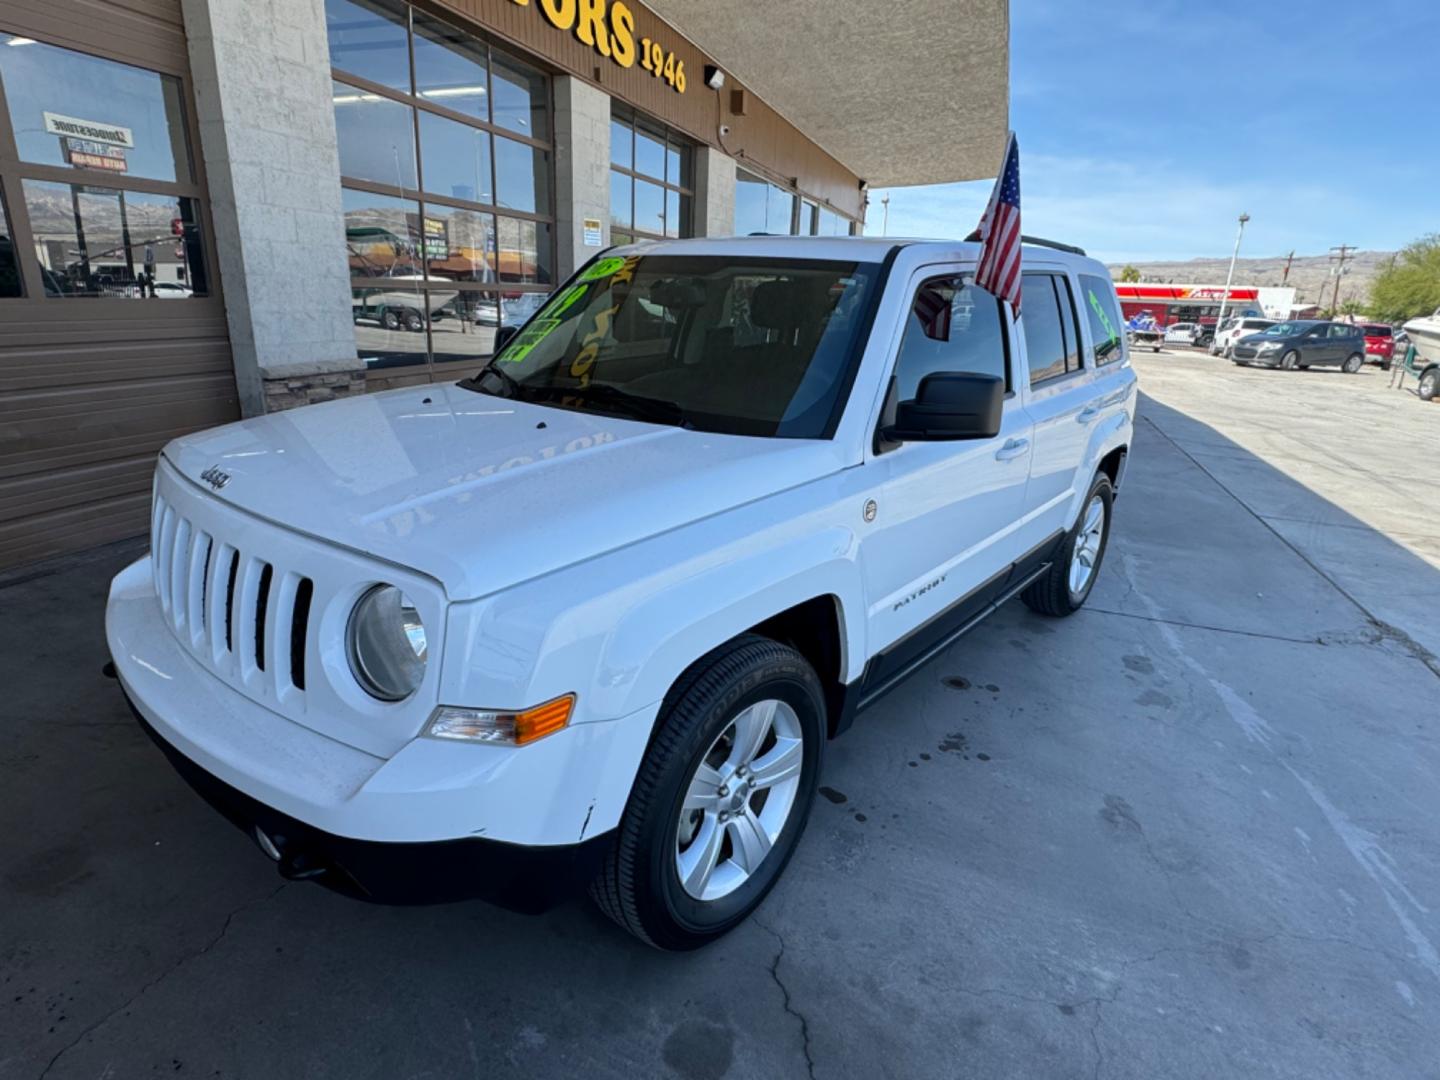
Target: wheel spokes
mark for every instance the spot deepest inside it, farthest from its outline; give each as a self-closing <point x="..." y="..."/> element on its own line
<point x="697" y="862"/>
<point x="704" y="790"/>
<point x="781" y="762"/>
<point x="751" y="727"/>
<point x="749" y="840"/>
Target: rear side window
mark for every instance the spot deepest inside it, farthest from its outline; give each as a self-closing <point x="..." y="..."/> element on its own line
<point x="1377" y="331"/>
<point x="954" y="325"/>
<point x="1052" y="340"/>
<point x="1254" y="324"/>
<point x="1097" y="297"/>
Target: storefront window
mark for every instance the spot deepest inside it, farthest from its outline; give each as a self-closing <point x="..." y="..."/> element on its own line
<point x="9" y="267"/>
<point x="368" y="38"/>
<point x="450" y="68"/>
<point x="73" y="110"/>
<point x="376" y="137"/>
<point x="94" y="241"/>
<point x="761" y="207"/>
<point x="447" y="190"/>
<point x="650" y="192"/>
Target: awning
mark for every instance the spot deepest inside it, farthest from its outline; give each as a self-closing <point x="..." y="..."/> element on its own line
<point x="904" y="92"/>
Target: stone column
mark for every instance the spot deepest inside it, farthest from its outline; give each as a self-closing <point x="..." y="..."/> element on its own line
<point x="267" y="134"/>
<point x="582" y="170"/>
<point x="714" y="211"/>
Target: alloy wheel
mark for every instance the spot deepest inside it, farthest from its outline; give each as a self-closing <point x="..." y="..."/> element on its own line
<point x="1087" y="546"/>
<point x="739" y="799"/>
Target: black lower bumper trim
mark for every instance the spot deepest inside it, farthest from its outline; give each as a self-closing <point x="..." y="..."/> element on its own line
<point x="514" y="876"/>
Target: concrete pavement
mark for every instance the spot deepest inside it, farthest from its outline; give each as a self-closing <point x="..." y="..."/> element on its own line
<point x="1188" y="832"/>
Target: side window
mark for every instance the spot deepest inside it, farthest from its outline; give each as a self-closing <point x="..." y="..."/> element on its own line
<point x="953" y="326"/>
<point x="1098" y="299"/>
<point x="1044" y="336"/>
<point x="1069" y="322"/>
<point x="1339" y="331"/>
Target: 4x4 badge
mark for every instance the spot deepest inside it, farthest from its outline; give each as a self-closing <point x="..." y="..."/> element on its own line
<point x="216" y="477"/>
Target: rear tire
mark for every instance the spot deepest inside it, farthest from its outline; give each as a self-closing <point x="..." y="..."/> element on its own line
<point x="1057" y="592"/>
<point x="640" y="885"/>
<point x="1429" y="384"/>
<point x="1353" y="363"/>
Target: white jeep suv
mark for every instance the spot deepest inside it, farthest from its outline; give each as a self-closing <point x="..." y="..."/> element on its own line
<point x="590" y="616"/>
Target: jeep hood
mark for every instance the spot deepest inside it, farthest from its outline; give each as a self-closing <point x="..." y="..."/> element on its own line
<point x="482" y="492"/>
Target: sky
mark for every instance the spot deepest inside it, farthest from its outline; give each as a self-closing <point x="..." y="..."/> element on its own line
<point x="1147" y="126"/>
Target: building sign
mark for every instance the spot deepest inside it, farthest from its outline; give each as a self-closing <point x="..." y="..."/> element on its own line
<point x="84" y="154"/>
<point x="437" y="238"/>
<point x="1183" y="292"/>
<point x="592" y="232"/>
<point x="68" y="127"/>
<point x="610" y="31"/>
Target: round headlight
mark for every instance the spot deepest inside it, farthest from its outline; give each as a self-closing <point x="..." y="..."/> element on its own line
<point x="386" y="642"/>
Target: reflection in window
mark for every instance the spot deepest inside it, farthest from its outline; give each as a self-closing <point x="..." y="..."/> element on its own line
<point x="390" y="325"/>
<point x="952" y="326"/>
<point x="622" y="144"/>
<point x="524" y="251"/>
<point x="376" y="137"/>
<point x="649" y="154"/>
<point x="367" y="38"/>
<point x="9" y="267"/>
<point x="522" y="177"/>
<point x="649" y="207"/>
<point x="761" y="207"/>
<point x="459" y="244"/>
<point x="382" y="236"/>
<point x="518" y="98"/>
<point x="94" y="241"/>
<point x="71" y="109"/>
<point x="450" y="68"/>
<point x="455" y="159"/>
<point x="622" y="208"/>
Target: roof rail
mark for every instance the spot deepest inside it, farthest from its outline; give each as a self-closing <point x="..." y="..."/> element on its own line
<point x="1034" y="241"/>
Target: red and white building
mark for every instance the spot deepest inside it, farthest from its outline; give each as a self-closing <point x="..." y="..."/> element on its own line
<point x="1170" y="304"/>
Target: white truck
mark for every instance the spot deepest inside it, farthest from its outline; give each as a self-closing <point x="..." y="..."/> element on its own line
<point x="591" y="615"/>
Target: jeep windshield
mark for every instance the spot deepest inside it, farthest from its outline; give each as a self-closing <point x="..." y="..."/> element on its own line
<point x="749" y="346"/>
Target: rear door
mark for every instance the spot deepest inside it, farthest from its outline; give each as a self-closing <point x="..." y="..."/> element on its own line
<point x="1062" y="400"/>
<point x="944" y="536"/>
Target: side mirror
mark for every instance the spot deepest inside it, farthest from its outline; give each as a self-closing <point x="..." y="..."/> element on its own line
<point x="503" y="337"/>
<point x="950" y="405"/>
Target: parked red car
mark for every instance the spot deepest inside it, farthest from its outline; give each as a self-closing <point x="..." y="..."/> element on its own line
<point x="1379" y="344"/>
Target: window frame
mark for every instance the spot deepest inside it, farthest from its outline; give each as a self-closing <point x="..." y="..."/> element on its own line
<point x="14" y="171"/>
<point x="1053" y="272"/>
<point x="669" y="138"/>
<point x="496" y="291"/>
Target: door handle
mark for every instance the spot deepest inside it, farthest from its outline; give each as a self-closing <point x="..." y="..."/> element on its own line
<point x="1013" y="448"/>
<point x="1089" y="413"/>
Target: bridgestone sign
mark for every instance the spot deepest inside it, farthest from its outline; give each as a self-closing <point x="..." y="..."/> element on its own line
<point x="70" y="128"/>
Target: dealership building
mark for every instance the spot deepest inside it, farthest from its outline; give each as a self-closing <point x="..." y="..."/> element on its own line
<point x="216" y="208"/>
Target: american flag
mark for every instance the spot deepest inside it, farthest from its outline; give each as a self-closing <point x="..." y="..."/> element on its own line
<point x="999" y="267"/>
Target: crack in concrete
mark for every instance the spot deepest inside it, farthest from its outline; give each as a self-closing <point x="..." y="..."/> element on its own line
<point x="147" y="987"/>
<point x="1206" y="626"/>
<point x="785" y="991"/>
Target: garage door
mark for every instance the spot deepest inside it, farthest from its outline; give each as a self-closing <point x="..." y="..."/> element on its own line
<point x="112" y="327"/>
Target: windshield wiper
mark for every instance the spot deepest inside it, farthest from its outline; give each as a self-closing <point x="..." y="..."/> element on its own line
<point x="641" y="408"/>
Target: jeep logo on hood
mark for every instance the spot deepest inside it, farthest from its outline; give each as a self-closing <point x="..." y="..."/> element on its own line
<point x="216" y="477"/>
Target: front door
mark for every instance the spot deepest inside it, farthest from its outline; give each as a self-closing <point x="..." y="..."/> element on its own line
<point x="944" y="538"/>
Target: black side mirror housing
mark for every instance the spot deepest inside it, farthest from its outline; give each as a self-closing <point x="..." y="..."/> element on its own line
<point x="503" y="336"/>
<point x="950" y="405"/>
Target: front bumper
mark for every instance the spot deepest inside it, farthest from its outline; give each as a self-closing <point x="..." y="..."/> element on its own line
<point x="359" y="811"/>
<point x="529" y="879"/>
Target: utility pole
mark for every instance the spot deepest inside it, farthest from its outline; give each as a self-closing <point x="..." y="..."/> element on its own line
<point x="1339" y="269"/>
<point x="1285" y="277"/>
<point x="1220" y="319"/>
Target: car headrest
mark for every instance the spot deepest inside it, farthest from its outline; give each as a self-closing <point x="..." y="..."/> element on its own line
<point x="773" y="305"/>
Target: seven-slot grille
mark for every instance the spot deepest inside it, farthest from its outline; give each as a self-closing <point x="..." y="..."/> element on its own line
<point x="235" y="610"/>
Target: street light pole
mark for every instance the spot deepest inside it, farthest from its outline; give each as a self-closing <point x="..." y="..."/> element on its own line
<point x="885" y="220"/>
<point x="1220" y="319"/>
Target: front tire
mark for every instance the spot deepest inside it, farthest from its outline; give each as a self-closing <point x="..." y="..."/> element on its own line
<point x="1353" y="363"/>
<point x="690" y="864"/>
<point x="1063" y="589"/>
<point x="1290" y="361"/>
